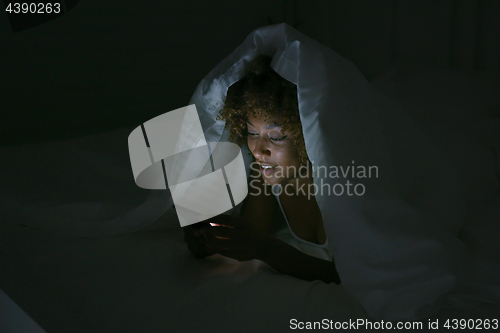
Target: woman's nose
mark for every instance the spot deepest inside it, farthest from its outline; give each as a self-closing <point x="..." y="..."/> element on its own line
<point x="261" y="149"/>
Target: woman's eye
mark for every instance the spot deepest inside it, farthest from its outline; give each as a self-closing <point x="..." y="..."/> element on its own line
<point x="272" y="139"/>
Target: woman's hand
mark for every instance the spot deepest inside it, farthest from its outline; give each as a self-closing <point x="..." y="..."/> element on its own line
<point x="195" y="241"/>
<point x="236" y="237"/>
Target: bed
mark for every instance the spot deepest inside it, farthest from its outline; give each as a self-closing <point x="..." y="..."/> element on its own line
<point x="146" y="279"/>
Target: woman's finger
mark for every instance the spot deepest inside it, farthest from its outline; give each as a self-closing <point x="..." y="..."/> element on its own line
<point x="211" y="232"/>
<point x="219" y="243"/>
<point x="224" y="232"/>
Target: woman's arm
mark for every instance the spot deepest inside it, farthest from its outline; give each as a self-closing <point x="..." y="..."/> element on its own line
<point x="288" y="260"/>
<point x="260" y="204"/>
<point x="257" y="207"/>
<point x="240" y="239"/>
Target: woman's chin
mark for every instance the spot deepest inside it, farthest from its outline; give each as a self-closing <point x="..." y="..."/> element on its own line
<point x="267" y="181"/>
<point x="270" y="181"/>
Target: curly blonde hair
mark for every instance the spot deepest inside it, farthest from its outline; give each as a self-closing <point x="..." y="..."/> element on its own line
<point x="262" y="91"/>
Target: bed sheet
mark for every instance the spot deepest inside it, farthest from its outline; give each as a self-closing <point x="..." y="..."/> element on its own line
<point x="149" y="282"/>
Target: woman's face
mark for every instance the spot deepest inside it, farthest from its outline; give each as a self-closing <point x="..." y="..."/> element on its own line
<point x="272" y="148"/>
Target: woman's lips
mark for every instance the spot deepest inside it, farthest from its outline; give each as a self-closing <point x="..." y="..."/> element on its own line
<point x="268" y="171"/>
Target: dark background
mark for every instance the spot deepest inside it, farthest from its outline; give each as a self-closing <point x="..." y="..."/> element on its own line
<point x="108" y="64"/>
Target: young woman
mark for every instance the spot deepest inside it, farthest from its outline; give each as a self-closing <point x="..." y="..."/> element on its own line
<point x="261" y="110"/>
